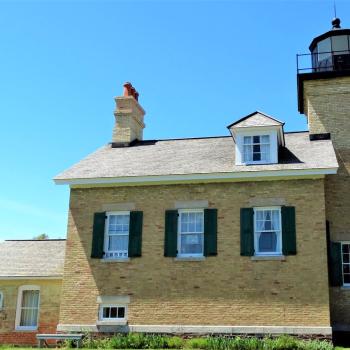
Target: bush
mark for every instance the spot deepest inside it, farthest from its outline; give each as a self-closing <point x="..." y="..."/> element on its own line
<point x="154" y="341"/>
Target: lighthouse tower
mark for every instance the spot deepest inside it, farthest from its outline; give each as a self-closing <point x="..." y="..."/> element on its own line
<point x="324" y="98"/>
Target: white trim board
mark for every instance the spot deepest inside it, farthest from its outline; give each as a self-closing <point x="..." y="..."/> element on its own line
<point x="4" y="278"/>
<point x="183" y="329"/>
<point x="198" y="178"/>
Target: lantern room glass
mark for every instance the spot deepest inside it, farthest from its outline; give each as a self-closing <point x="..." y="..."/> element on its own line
<point x="332" y="53"/>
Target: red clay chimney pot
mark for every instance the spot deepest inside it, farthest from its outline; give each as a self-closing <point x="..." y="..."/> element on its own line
<point x="127" y="89"/>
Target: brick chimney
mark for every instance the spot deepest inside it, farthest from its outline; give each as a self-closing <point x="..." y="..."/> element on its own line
<point x="129" y="115"/>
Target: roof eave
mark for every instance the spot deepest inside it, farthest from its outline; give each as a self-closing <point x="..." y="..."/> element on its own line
<point x="204" y="177"/>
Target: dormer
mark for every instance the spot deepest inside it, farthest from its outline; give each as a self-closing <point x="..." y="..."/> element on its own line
<point x="258" y="138"/>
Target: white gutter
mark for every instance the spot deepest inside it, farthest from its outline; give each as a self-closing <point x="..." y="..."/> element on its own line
<point x="4" y="278"/>
<point x="212" y="177"/>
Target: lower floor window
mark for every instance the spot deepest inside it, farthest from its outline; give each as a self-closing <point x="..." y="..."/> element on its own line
<point x="267" y="228"/>
<point x="28" y="307"/>
<point x="112" y="313"/>
<point x="346" y="263"/>
<point x="191" y="232"/>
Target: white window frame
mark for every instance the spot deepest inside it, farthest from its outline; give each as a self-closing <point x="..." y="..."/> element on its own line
<point x="256" y="131"/>
<point x="279" y="236"/>
<point x="342" y="262"/>
<point x="1" y="300"/>
<point x="252" y="144"/>
<point x="179" y="233"/>
<point x="111" y="320"/>
<point x="106" y="236"/>
<point x="22" y="289"/>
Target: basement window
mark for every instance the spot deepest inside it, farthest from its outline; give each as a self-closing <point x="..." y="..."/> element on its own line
<point x="112" y="313"/>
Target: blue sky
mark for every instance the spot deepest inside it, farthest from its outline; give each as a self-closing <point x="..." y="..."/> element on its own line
<point x="198" y="66"/>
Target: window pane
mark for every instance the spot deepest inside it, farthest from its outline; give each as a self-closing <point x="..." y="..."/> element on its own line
<point x="191" y="243"/>
<point x="340" y="43"/>
<point x="30" y="298"/>
<point x="117" y="242"/>
<point x="256" y="156"/>
<point x="106" y="312"/>
<point x="121" y="312"/>
<point x="265" y="139"/>
<point x="113" y="312"/>
<point x="248" y="153"/>
<point x="256" y="139"/>
<point x="347" y="278"/>
<point x="29" y="317"/>
<point x="247" y="140"/>
<point x="268" y="242"/>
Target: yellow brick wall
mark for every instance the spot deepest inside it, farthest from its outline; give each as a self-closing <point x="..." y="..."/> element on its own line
<point x="224" y="290"/>
<point x="327" y="105"/>
<point x="50" y="291"/>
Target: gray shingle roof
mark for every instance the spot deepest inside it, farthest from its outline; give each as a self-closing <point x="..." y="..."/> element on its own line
<point x="196" y="156"/>
<point x="34" y="258"/>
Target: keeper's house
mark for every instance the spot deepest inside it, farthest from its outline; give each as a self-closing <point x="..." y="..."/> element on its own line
<point x="243" y="233"/>
<point x="222" y="234"/>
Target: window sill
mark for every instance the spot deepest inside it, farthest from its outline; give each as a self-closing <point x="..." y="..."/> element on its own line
<point x="112" y="323"/>
<point x="347" y="288"/>
<point x="110" y="260"/>
<point x="26" y="329"/>
<point x="268" y="257"/>
<point x="189" y="258"/>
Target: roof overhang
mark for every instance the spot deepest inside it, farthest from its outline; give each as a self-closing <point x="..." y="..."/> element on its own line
<point x="263" y="175"/>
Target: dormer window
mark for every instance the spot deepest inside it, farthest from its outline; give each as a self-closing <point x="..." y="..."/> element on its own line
<point x="258" y="138"/>
<point x="256" y="148"/>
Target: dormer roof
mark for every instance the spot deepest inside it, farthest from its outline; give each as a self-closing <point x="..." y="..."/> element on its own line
<point x="256" y="119"/>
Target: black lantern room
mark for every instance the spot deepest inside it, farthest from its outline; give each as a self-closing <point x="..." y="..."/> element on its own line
<point x="331" y="50"/>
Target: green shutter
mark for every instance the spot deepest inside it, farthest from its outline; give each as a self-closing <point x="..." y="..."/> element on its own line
<point x="135" y="234"/>
<point x="170" y="241"/>
<point x="247" y="231"/>
<point x="335" y="264"/>
<point x="210" y="231"/>
<point x="289" y="241"/>
<point x="98" y="234"/>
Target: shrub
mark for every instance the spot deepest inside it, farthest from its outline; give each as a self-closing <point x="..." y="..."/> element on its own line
<point x="154" y="341"/>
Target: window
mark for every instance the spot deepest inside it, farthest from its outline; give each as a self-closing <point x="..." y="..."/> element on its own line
<point x="117" y="235"/>
<point x="256" y="148"/>
<point x="112" y="313"/>
<point x="267" y="231"/>
<point x="191" y="232"/>
<point x="1" y="300"/>
<point x="345" y="250"/>
<point x="27" y="313"/>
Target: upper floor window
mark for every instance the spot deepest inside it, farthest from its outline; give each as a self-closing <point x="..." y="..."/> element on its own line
<point x="267" y="231"/>
<point x="346" y="263"/>
<point x="117" y="235"/>
<point x="256" y="148"/>
<point x="191" y="232"/>
<point x="27" y="313"/>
